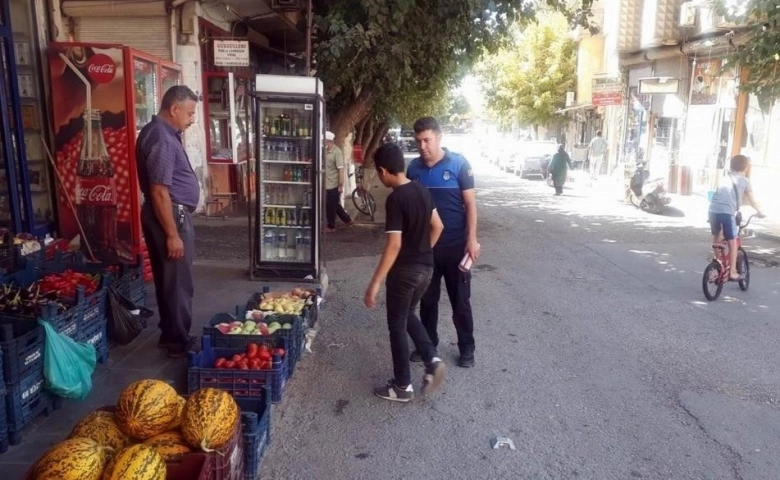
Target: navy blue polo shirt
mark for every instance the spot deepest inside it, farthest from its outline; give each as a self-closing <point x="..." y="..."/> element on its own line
<point x="161" y="160"/>
<point x="446" y="181"/>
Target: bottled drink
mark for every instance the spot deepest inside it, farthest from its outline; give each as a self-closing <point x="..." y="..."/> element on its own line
<point x="96" y="201"/>
<point x="299" y="246"/>
<point x="282" y="217"/>
<point x="269" y="245"/>
<point x="292" y="218"/>
<point x="281" y="240"/>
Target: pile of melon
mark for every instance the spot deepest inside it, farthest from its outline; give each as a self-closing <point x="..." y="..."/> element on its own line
<point x="151" y="425"/>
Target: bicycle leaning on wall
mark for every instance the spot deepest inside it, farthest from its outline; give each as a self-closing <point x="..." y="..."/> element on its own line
<point x="361" y="196"/>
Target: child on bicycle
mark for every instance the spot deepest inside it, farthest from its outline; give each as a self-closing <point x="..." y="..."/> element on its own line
<point x="732" y="189"/>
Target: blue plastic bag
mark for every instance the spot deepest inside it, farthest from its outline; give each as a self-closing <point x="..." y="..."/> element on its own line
<point x="67" y="364"/>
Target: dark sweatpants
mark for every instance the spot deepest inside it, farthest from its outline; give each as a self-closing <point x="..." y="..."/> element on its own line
<point x="333" y="207"/>
<point x="405" y="285"/>
<point x="173" y="282"/>
<point x="458" y="285"/>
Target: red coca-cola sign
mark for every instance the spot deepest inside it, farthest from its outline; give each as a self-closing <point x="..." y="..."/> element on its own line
<point x="95" y="191"/>
<point x="101" y="68"/>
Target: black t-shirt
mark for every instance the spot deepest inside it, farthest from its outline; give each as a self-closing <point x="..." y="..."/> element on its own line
<point x="408" y="210"/>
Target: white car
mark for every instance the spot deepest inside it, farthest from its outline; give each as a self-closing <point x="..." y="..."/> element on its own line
<point x="527" y="160"/>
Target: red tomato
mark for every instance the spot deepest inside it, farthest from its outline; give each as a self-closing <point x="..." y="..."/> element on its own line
<point x="236" y="358"/>
<point x="266" y="365"/>
<point x="264" y="355"/>
<point x="243" y="366"/>
<point x="279" y="351"/>
<point x="220" y="363"/>
<point x="254" y="363"/>
<point x="251" y="350"/>
<point x="229" y="364"/>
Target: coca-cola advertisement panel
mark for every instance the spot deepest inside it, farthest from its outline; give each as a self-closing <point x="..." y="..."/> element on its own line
<point x="89" y="92"/>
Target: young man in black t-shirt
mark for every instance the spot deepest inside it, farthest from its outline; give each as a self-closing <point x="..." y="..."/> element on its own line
<point x="413" y="226"/>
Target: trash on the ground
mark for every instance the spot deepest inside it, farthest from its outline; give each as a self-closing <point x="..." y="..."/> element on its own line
<point x="499" y="442"/>
<point x="310" y="334"/>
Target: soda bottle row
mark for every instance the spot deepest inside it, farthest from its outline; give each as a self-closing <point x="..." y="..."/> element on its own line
<point x="284" y="151"/>
<point x="285" y="217"/>
<point x="283" y="195"/>
<point x="277" y="246"/>
<point x="293" y="173"/>
<point x="287" y="124"/>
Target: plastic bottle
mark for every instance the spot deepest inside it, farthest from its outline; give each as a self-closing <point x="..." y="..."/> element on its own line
<point x="281" y="240"/>
<point x="269" y="245"/>
<point x="299" y="246"/>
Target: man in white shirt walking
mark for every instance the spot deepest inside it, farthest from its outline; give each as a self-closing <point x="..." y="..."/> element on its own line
<point x="597" y="150"/>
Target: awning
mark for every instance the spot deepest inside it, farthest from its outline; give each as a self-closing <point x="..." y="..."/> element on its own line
<point x="578" y="107"/>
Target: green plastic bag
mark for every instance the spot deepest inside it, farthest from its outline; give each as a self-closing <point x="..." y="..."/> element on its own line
<point x="67" y="364"/>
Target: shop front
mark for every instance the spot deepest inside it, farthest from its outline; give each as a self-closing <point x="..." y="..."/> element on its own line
<point x="26" y="183"/>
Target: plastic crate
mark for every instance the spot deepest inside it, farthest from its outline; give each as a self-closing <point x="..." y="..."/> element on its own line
<point x="194" y="466"/>
<point x="239" y="383"/>
<point x="295" y="335"/>
<point x="22" y="344"/>
<point x="25" y="401"/>
<point x="255" y="431"/>
<point x="97" y="336"/>
<point x="309" y="313"/>
<point x="227" y="463"/>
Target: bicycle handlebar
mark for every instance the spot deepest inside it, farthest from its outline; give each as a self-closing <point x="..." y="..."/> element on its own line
<point x="744" y="225"/>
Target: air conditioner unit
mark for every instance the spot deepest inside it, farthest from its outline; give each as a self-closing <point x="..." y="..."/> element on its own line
<point x="687" y="15"/>
<point x="286" y="4"/>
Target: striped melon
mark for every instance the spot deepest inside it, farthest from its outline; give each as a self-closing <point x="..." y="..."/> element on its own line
<point x="211" y="417"/>
<point x="170" y="445"/>
<point x="137" y="462"/>
<point x="72" y="459"/>
<point x="101" y="427"/>
<point x="177" y="421"/>
<point x="146" y="408"/>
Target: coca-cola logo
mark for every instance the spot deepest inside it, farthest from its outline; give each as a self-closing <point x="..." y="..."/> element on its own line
<point x="96" y="195"/>
<point x="101" y="68"/>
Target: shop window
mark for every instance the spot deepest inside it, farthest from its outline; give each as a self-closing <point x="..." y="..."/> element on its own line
<point x="757" y="123"/>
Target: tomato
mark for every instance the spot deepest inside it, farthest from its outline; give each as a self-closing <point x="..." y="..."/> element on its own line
<point x="251" y="350"/>
<point x="236" y="358"/>
<point x="229" y="364"/>
<point x="278" y="351"/>
<point x="243" y="366"/>
<point x="264" y="355"/>
<point x="266" y="365"/>
<point x="255" y="363"/>
<point x="220" y="363"/>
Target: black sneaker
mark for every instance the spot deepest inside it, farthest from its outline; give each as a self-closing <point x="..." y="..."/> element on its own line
<point x="434" y="375"/>
<point x="466" y="360"/>
<point x="393" y="393"/>
<point x="415" y="357"/>
<point x="162" y="343"/>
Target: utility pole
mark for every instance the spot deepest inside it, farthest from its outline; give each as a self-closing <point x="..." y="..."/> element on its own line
<point x="309" y="22"/>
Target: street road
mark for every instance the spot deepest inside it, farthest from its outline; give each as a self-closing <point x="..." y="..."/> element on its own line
<point x="597" y="354"/>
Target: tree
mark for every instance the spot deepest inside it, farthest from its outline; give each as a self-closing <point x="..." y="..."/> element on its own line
<point x="760" y="56"/>
<point x="525" y="83"/>
<point x="384" y="60"/>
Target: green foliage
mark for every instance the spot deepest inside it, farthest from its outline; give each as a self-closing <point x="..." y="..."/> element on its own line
<point x="408" y="52"/>
<point x="526" y="82"/>
<point x="760" y="56"/>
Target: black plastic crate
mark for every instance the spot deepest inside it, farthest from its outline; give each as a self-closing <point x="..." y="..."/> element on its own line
<point x="22" y="344"/>
<point x="256" y="431"/>
<point x="239" y="383"/>
<point x="25" y="401"/>
<point x="294" y="335"/>
<point x="97" y="336"/>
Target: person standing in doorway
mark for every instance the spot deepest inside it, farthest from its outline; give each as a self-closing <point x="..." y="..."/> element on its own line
<point x="334" y="183"/>
<point x="597" y="150"/>
<point x="412" y="229"/>
<point x="171" y="194"/>
<point x="450" y="180"/>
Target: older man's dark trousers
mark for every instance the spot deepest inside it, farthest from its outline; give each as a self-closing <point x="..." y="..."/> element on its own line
<point x="458" y="285"/>
<point x="333" y="207"/>
<point x="405" y="286"/>
<point x="173" y="281"/>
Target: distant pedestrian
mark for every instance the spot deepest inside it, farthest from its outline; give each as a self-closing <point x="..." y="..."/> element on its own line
<point x="725" y="205"/>
<point x="171" y="194"/>
<point x="597" y="150"/>
<point x="412" y="229"/>
<point x="450" y="180"/>
<point x="559" y="169"/>
<point x="334" y="183"/>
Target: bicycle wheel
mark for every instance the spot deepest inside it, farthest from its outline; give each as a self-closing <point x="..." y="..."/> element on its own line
<point x="364" y="201"/>
<point x="632" y="197"/>
<point x="710" y="281"/>
<point x="743" y="267"/>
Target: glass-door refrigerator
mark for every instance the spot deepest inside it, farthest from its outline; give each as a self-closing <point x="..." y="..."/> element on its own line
<point x="102" y="95"/>
<point x="289" y="155"/>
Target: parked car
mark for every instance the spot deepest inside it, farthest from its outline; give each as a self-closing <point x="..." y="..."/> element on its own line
<point x="529" y="158"/>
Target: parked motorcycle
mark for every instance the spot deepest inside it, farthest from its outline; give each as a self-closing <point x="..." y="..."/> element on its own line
<point x="653" y="202"/>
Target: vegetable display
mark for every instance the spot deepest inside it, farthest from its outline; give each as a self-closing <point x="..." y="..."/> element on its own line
<point x="256" y="357"/>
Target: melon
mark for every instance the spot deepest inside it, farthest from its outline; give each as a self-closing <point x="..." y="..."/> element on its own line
<point x="147" y="408"/>
<point x="211" y="417"/>
<point x="136" y="462"/>
<point x="101" y="427"/>
<point x="177" y="421"/>
<point x="170" y="445"/>
<point x="72" y="459"/>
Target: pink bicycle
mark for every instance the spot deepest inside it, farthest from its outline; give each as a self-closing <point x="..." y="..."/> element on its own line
<point x="717" y="272"/>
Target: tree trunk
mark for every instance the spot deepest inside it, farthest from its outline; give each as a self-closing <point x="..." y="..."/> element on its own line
<point x="360" y="129"/>
<point x="379" y="132"/>
<point x="343" y="121"/>
<point x="368" y="130"/>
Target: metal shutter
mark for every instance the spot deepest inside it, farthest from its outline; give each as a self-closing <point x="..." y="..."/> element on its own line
<point x="148" y="34"/>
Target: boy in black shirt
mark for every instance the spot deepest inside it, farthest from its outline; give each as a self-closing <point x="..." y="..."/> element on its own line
<point x="413" y="226"/>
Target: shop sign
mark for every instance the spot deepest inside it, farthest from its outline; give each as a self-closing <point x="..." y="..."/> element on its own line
<point x="231" y="53"/>
<point x="607" y="91"/>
